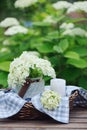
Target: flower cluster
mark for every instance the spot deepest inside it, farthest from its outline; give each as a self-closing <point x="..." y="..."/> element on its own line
<point x="13" y="26"/>
<point x="66" y="26"/>
<point x="71" y="30"/>
<point x="27" y="64"/>
<point x="24" y="3"/>
<point x="15" y="30"/>
<point x="10" y="21"/>
<point x="50" y="99"/>
<point x="75" y="32"/>
<point x="78" y="6"/>
<point x="61" y="5"/>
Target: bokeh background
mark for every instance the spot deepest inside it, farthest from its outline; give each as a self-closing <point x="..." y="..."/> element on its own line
<point x="58" y="31"/>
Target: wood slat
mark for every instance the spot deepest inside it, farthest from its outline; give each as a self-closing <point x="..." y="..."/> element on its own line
<point x="78" y="121"/>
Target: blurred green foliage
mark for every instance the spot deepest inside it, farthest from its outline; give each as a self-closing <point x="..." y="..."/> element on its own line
<point x="67" y="54"/>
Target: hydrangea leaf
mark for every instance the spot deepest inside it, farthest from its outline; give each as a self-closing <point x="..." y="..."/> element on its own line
<point x="5" y="66"/>
<point x="79" y="63"/>
<point x="72" y="55"/>
<point x="3" y="79"/>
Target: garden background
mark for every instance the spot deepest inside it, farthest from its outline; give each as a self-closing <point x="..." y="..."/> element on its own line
<point x="57" y="33"/>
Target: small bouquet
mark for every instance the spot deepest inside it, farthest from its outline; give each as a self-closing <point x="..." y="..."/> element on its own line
<point x="50" y="99"/>
<point x="28" y="65"/>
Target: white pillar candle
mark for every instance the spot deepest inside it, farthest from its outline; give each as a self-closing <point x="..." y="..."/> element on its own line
<point x="58" y="85"/>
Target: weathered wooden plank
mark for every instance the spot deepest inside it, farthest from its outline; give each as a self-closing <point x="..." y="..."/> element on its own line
<point x="78" y="121"/>
<point x="44" y="125"/>
<point x="39" y="129"/>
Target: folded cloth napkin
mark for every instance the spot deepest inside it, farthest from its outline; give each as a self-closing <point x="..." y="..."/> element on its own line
<point x="61" y="114"/>
<point x="10" y="103"/>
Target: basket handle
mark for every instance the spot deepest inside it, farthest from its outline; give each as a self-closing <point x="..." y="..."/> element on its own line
<point x="26" y="86"/>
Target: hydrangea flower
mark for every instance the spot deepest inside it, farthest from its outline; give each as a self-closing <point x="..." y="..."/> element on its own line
<point x="15" y="30"/>
<point x="28" y="65"/>
<point x="61" y="5"/>
<point x="10" y="21"/>
<point x="78" y="6"/>
<point x="50" y="99"/>
<point x="75" y="32"/>
<point x="67" y="26"/>
<point x="24" y="3"/>
<point x="4" y="49"/>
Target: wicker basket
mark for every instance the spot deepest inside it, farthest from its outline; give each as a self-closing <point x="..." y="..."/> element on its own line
<point x="28" y="111"/>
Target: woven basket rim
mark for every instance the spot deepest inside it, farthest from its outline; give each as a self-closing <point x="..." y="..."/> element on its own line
<point x="28" y="111"/>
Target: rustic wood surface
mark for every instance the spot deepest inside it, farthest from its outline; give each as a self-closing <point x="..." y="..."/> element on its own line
<point x="78" y="121"/>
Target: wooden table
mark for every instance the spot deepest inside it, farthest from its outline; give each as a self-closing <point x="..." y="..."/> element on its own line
<point x="78" y="121"/>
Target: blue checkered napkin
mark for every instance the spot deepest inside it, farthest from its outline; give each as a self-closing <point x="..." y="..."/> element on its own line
<point x="10" y="103"/>
<point x="60" y="114"/>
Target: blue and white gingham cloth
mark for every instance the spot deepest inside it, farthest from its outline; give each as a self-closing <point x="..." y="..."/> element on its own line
<point x="10" y="103"/>
<point x="61" y="114"/>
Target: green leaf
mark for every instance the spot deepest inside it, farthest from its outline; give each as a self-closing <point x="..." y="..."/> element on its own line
<point x="57" y="49"/>
<point x="63" y="44"/>
<point x="41" y="24"/>
<point x="6" y="56"/>
<point x="3" y="79"/>
<point x="71" y="55"/>
<point x="5" y="66"/>
<point x="81" y="51"/>
<point x="71" y="74"/>
<point x="83" y="82"/>
<point x="79" y="63"/>
<point x="82" y="41"/>
<point x="45" y="48"/>
<point x="52" y="35"/>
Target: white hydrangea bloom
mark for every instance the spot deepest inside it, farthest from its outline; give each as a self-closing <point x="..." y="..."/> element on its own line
<point x="10" y="21"/>
<point x="25" y="53"/>
<point x="16" y="29"/>
<point x="4" y="49"/>
<point x="49" y="19"/>
<point x="6" y="42"/>
<point x="45" y="67"/>
<point x="61" y="5"/>
<point x="75" y="32"/>
<point x="67" y="26"/>
<point x="50" y="99"/>
<point x="24" y="3"/>
<point x="78" y="6"/>
<point x="20" y="68"/>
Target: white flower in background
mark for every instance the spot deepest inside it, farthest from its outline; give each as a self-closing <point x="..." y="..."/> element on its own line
<point x="24" y="3"/>
<point x="16" y="29"/>
<point x="67" y="26"/>
<point x="49" y="19"/>
<point x="78" y="6"/>
<point x="20" y="68"/>
<point x="50" y="99"/>
<point x="75" y="32"/>
<point x="4" y="50"/>
<point x="6" y="42"/>
<point x="61" y="5"/>
<point x="10" y="21"/>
